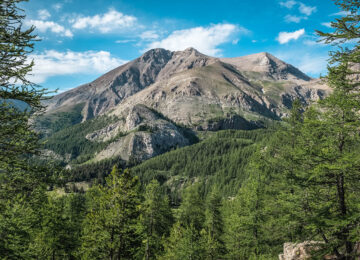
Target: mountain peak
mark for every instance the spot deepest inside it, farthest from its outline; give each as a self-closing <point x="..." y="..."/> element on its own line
<point x="191" y="49"/>
<point x="268" y="64"/>
<point x="155" y="54"/>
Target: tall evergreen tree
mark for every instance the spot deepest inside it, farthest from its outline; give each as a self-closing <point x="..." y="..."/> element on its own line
<point x="17" y="139"/>
<point x="321" y="161"/>
<point x="187" y="237"/>
<point x="192" y="209"/>
<point x="156" y="218"/>
<point x="214" y="226"/>
<point x="185" y="242"/>
<point x="110" y="227"/>
<point x="21" y="183"/>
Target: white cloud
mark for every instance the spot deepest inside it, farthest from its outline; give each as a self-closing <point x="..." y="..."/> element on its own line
<point x="57" y="6"/>
<point x="288" y="4"/>
<point x="124" y="41"/>
<point x="342" y="13"/>
<point x="149" y="35"/>
<point x="307" y="10"/>
<point x="294" y="19"/>
<point x="111" y="21"/>
<point x="285" y="37"/>
<point x="328" y="25"/>
<point x="44" y="26"/>
<point x="204" y="39"/>
<point x="53" y="63"/>
<point x="43" y="14"/>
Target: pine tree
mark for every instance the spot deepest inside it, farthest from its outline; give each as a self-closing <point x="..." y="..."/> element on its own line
<point x="321" y="161"/>
<point x="192" y="209"/>
<point x="156" y="218"/>
<point x="17" y="139"/>
<point x="185" y="242"/>
<point x="21" y="183"/>
<point x="55" y="239"/>
<point x="110" y="228"/>
<point x="188" y="237"/>
<point x="214" y="226"/>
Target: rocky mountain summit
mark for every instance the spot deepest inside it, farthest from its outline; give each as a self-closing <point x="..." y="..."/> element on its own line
<point x="156" y="96"/>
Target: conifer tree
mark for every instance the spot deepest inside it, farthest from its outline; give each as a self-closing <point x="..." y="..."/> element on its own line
<point x="156" y="218"/>
<point x="188" y="237"/>
<point x="185" y="242"/>
<point x="321" y="162"/>
<point x="17" y="139"/>
<point x="192" y="209"/>
<point x="110" y="228"/>
<point x="21" y="183"/>
<point x="214" y="226"/>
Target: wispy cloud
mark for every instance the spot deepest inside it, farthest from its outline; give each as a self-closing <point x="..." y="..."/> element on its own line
<point x="57" y="6"/>
<point x="111" y="21"/>
<point x="204" y="39"/>
<point x="294" y="19"/>
<point x="44" y="26"/>
<point x="288" y="4"/>
<point x="54" y="63"/>
<point x="306" y="9"/>
<point x="125" y="41"/>
<point x="149" y="35"/>
<point x="285" y="37"/>
<point x="342" y="13"/>
<point x="328" y="25"/>
<point x="44" y="14"/>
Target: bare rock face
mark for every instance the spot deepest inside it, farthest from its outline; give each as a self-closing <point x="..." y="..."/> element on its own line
<point x="300" y="251"/>
<point x="143" y="134"/>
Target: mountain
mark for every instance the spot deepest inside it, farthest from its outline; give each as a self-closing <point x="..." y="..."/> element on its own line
<point x="267" y="65"/>
<point x="162" y="99"/>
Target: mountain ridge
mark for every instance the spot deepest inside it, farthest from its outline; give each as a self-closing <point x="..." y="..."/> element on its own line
<point x="188" y="89"/>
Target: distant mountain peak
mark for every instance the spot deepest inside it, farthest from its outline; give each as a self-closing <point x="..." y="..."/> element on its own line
<point x="267" y="63"/>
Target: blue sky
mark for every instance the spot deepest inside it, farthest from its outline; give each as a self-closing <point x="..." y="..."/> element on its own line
<point x="82" y="39"/>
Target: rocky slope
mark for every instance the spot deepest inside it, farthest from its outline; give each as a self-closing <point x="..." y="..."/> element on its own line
<point x="159" y="91"/>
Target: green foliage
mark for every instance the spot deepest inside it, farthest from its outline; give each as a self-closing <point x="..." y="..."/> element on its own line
<point x="214" y="226"/>
<point x="184" y="243"/>
<point x="110" y="227"/>
<point x="59" y="234"/>
<point x="72" y="140"/>
<point x="220" y="159"/>
<point x="156" y="218"/>
<point x="16" y="219"/>
<point x="56" y="121"/>
<point x="95" y="172"/>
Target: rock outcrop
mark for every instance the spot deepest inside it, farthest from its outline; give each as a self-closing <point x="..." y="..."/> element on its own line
<point x="298" y="251"/>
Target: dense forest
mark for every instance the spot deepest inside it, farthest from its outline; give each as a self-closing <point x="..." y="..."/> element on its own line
<point x="233" y="195"/>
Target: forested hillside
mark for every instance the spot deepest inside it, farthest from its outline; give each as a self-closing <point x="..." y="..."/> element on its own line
<point x="219" y="161"/>
<point x="230" y="194"/>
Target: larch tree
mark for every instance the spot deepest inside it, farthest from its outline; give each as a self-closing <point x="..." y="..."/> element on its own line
<point x="111" y="225"/>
